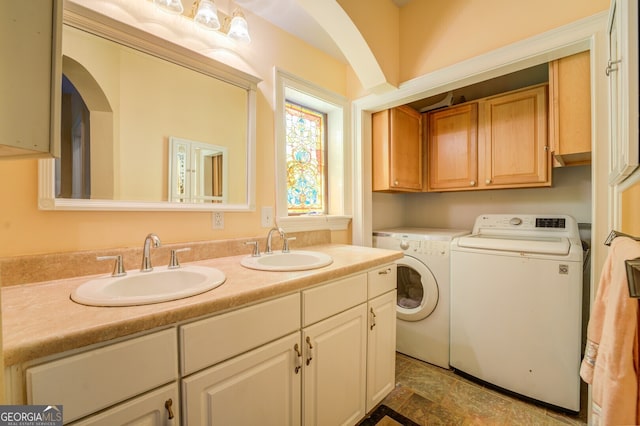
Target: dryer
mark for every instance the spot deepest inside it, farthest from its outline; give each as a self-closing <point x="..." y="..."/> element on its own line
<point x="422" y="326"/>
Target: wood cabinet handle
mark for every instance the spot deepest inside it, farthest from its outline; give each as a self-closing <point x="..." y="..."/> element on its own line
<point x="309" y="349"/>
<point x="488" y="181"/>
<point x="395" y="183"/>
<point x="472" y="183"/>
<point x="296" y="348"/>
<point x="167" y="404"/>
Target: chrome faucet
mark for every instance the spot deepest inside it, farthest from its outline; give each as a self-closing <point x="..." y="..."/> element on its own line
<point x="267" y="249"/>
<point x="146" y="252"/>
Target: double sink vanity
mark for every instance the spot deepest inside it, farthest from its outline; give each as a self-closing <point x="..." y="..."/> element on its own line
<point x="300" y="337"/>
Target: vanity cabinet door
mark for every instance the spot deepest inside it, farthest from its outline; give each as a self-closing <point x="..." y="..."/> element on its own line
<point x="261" y="387"/>
<point x="30" y="42"/>
<point x="381" y="348"/>
<point x="160" y="407"/>
<point x="334" y="379"/>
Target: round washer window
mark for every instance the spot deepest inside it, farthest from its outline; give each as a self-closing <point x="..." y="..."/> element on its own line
<point x="417" y="290"/>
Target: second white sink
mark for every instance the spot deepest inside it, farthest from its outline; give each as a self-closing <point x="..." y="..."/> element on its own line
<point x="142" y="288"/>
<point x="295" y="260"/>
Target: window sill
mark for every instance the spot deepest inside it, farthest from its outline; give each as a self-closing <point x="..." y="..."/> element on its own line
<point x="314" y="223"/>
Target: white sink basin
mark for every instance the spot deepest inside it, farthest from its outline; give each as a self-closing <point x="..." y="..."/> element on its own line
<point x="296" y="260"/>
<point x="143" y="288"/>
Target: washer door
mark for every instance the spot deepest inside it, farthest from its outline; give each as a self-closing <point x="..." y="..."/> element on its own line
<point x="417" y="290"/>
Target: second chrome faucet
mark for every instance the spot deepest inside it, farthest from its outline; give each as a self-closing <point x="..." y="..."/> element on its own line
<point x="146" y="252"/>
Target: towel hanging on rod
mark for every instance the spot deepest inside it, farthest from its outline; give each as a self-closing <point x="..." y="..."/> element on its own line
<point x="632" y="265"/>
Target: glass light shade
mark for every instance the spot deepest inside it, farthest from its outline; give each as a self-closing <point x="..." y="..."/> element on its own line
<point x="207" y="15"/>
<point x="239" y="29"/>
<point x="171" y="6"/>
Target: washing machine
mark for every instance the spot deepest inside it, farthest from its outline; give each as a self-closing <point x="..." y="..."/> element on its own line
<point x="423" y="290"/>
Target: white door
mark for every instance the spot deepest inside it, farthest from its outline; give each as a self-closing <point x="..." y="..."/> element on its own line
<point x="261" y="387"/>
<point x="334" y="380"/>
<point x="381" y="350"/>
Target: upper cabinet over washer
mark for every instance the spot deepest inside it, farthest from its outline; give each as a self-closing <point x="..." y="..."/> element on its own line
<point x="397" y="151"/>
<point x="570" y="110"/>
<point x="496" y="142"/>
<point x="31" y="72"/>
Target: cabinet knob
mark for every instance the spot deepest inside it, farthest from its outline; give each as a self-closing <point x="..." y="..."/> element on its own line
<point x="488" y="181"/>
<point x="472" y="183"/>
<point x="395" y="183"/>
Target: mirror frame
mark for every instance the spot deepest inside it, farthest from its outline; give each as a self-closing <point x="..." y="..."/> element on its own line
<point x="88" y="20"/>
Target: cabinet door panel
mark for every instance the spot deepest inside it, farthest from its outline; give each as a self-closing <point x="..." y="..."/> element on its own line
<point x="406" y="149"/>
<point x="381" y="348"/>
<point x="260" y="387"/>
<point x="515" y="139"/>
<point x="334" y="380"/>
<point x="453" y="145"/>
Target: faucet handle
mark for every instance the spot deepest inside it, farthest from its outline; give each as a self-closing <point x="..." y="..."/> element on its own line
<point x="118" y="266"/>
<point x="173" y="262"/>
<point x="285" y="244"/>
<point x="256" y="248"/>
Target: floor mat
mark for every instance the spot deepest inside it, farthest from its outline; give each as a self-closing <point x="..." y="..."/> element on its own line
<point x="385" y="416"/>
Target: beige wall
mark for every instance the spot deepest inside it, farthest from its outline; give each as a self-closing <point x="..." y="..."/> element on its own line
<point x="434" y="34"/>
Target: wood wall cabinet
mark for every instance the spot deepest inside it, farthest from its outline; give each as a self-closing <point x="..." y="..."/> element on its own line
<point x="570" y="110"/>
<point x="453" y="148"/>
<point x="397" y="153"/>
<point x="513" y="144"/>
<point x="31" y="83"/>
<point x="496" y="142"/>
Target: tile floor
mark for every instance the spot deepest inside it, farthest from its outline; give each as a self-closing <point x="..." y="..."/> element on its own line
<point x="431" y="395"/>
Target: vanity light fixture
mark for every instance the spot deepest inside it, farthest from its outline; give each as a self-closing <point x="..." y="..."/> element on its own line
<point x="239" y="29"/>
<point x="171" y="6"/>
<point x="205" y="14"/>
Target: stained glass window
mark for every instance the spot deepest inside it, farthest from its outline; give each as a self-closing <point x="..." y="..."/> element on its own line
<point x="306" y="159"/>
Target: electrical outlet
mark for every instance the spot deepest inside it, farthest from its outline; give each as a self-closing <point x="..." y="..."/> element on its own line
<point x="218" y="220"/>
<point x="267" y="217"/>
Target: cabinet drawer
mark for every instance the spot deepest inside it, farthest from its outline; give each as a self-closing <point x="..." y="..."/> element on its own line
<point x="209" y="341"/>
<point x="382" y="280"/>
<point x="96" y="379"/>
<point x="329" y="299"/>
<point x="148" y="409"/>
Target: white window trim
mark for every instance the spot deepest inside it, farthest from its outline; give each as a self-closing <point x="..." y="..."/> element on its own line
<point x="339" y="164"/>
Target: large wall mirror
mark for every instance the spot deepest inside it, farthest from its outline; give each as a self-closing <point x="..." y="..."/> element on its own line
<point x="127" y="97"/>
